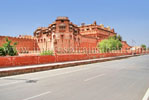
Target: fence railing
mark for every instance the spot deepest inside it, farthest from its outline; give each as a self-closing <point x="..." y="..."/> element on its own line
<point x="37" y="51"/>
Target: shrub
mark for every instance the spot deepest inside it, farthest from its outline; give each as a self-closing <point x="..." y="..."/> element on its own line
<point x="8" y="49"/>
<point x="2" y="53"/>
<point x="49" y="52"/>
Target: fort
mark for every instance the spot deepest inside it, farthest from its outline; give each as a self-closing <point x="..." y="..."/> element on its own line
<point x="64" y="36"/>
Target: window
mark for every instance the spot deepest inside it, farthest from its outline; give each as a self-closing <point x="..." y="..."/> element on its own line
<point x="87" y="29"/>
<point x="62" y="36"/>
<point x="41" y="40"/>
<point x="79" y="40"/>
<point x="62" y="21"/>
<point x="74" y="39"/>
<point x="53" y="36"/>
<point x="70" y="36"/>
<point x="62" y="27"/>
<point x="38" y="40"/>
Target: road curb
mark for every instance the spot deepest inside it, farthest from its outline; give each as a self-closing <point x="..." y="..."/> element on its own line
<point x="43" y="68"/>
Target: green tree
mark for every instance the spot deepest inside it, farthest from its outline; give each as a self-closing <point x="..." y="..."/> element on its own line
<point x="119" y="38"/>
<point x="109" y="44"/>
<point x="143" y="46"/>
<point x="8" y="49"/>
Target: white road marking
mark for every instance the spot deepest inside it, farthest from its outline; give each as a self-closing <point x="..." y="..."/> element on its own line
<point x="146" y="96"/>
<point x="5" y="84"/>
<point x="62" y="73"/>
<point x="37" y="95"/>
<point x="94" y="77"/>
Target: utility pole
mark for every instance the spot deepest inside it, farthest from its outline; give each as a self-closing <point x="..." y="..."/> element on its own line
<point x="133" y="43"/>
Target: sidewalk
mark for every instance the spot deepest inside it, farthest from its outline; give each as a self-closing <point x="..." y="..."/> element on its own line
<point x="35" y="68"/>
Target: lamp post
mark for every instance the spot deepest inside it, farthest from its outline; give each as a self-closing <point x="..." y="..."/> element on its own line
<point x="133" y="43"/>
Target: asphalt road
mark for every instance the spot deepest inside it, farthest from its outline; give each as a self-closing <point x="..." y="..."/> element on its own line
<point x="126" y="79"/>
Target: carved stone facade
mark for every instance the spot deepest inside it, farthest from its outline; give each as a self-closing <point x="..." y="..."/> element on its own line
<point x="98" y="31"/>
<point x="64" y="34"/>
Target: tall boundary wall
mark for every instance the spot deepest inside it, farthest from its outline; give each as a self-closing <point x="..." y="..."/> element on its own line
<point x="11" y="61"/>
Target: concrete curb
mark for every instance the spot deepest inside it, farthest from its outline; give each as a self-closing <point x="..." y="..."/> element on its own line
<point x="62" y="65"/>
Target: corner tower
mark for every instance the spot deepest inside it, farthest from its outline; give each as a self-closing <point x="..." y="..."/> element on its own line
<point x="62" y="25"/>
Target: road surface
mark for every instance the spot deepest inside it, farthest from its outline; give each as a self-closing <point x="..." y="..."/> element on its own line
<point x="126" y="79"/>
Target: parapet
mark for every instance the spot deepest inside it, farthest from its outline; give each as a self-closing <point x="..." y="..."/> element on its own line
<point x="62" y="18"/>
<point x="26" y="37"/>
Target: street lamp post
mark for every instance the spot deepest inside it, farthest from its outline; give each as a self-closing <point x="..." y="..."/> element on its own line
<point x="133" y="43"/>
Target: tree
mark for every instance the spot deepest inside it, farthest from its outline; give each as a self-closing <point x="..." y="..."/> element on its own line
<point x="109" y="44"/>
<point x="143" y="46"/>
<point x="119" y="38"/>
<point x="8" y="49"/>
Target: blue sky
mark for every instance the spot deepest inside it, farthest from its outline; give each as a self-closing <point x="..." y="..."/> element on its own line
<point x="129" y="18"/>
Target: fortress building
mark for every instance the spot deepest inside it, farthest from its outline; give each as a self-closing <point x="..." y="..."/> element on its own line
<point x="63" y="34"/>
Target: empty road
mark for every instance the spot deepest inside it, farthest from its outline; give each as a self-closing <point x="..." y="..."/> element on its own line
<point x="126" y="79"/>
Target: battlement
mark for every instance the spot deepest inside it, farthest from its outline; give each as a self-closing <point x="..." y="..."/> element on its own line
<point x="26" y="37"/>
<point x="27" y="43"/>
<point x="94" y="25"/>
<point x="62" y="18"/>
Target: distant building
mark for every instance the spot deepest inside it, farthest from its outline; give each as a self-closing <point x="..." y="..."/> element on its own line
<point x="136" y="48"/>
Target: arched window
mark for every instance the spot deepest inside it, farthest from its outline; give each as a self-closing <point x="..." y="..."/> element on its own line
<point x="62" y="26"/>
<point x="41" y="40"/>
<point x="53" y="36"/>
<point x="74" y="39"/>
<point x="38" y="40"/>
<point x="78" y="39"/>
<point x="62" y="36"/>
<point x="70" y="37"/>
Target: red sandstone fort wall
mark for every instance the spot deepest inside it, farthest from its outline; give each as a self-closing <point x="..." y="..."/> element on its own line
<point x="88" y="42"/>
<point x="125" y="46"/>
<point x="32" y="60"/>
<point x="29" y="44"/>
